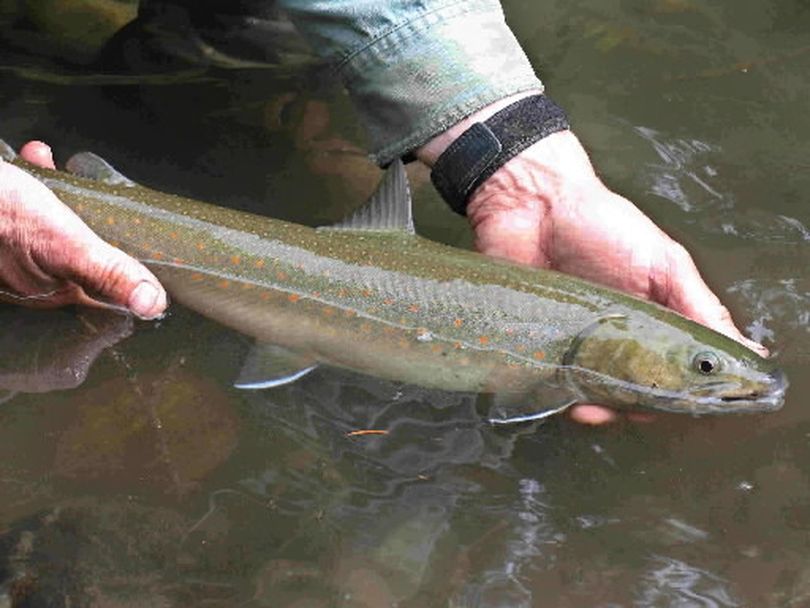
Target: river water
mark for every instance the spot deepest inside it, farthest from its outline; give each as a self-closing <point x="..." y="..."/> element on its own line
<point x="133" y="474"/>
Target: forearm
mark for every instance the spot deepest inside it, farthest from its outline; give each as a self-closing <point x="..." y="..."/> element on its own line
<point x="415" y="70"/>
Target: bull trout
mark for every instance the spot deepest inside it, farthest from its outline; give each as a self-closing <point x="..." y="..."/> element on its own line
<point x="370" y="295"/>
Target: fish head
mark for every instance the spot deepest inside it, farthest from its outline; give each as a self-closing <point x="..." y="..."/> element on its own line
<point x="667" y="362"/>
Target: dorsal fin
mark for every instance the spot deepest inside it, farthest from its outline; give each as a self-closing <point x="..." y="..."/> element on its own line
<point x="92" y="166"/>
<point x="388" y="209"/>
<point x="7" y="152"/>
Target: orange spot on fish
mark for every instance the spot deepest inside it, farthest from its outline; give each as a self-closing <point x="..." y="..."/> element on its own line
<point x="156" y="255"/>
<point x="388" y="301"/>
<point x="457" y="345"/>
<point x="349" y="313"/>
<point x="259" y="264"/>
<point x="247" y="286"/>
<point x="293" y="297"/>
<point x="197" y="277"/>
<point x="389" y="330"/>
<point x="224" y="284"/>
<point x="281" y="276"/>
<point x="178" y="261"/>
<point x="483" y="340"/>
<point x="110" y="221"/>
<point x="200" y="246"/>
<point x="539" y="355"/>
<point x="316" y="294"/>
<point x="363" y="432"/>
<point x="403" y="343"/>
<point x="413" y="308"/>
<point x="365" y="328"/>
<point x="136" y="220"/>
<point x="436" y="348"/>
<point x="236" y="260"/>
<point x="458" y="322"/>
<point x="342" y="293"/>
<point x="173" y="235"/>
<point x="328" y="312"/>
<point x="366" y="293"/>
<point x="520" y="348"/>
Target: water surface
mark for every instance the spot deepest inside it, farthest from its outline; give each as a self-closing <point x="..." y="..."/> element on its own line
<point x="144" y="479"/>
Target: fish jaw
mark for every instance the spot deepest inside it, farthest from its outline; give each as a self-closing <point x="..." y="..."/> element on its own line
<point x="768" y="398"/>
<point x="722" y="398"/>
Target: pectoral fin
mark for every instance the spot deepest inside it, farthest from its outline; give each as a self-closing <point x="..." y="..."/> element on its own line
<point x="92" y="166"/>
<point x="269" y="365"/>
<point x="511" y="408"/>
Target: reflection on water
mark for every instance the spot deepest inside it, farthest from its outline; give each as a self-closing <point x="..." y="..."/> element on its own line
<point x="682" y="176"/>
<point x="46" y="351"/>
<point x="133" y="474"/>
<point x="671" y="582"/>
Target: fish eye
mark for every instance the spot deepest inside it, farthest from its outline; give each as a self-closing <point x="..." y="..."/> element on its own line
<point x="706" y="363"/>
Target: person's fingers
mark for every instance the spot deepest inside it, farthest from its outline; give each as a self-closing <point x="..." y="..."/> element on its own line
<point x="51" y="246"/>
<point x="680" y="287"/>
<point x="38" y="153"/>
<point x="592" y="414"/>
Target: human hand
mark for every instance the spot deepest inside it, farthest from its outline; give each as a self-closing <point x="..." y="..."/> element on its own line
<point x="49" y="257"/>
<point x="546" y="207"/>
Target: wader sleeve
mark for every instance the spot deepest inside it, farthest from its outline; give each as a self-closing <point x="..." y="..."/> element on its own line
<point x="415" y="67"/>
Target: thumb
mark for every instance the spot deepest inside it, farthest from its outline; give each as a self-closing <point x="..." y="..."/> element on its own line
<point x="109" y="276"/>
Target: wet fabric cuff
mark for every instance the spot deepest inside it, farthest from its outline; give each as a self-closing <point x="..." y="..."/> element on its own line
<point x="418" y="78"/>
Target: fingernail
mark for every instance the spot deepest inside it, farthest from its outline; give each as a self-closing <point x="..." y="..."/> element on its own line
<point x="147" y="301"/>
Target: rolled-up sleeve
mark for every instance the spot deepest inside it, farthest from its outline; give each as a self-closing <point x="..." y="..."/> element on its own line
<point x="415" y="67"/>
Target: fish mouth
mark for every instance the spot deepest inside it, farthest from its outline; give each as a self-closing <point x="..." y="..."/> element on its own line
<point x="768" y="398"/>
<point x="722" y="397"/>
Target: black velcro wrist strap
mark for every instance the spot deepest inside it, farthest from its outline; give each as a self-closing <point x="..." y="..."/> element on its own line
<point x="486" y="146"/>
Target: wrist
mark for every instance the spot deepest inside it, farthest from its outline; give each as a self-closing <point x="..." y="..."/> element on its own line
<point x="434" y="148"/>
<point x="487" y="145"/>
<point x="551" y="172"/>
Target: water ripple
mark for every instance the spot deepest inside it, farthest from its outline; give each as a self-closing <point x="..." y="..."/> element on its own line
<point x="532" y="535"/>
<point x="683" y="176"/>
<point x="780" y="309"/>
<point x="674" y="583"/>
